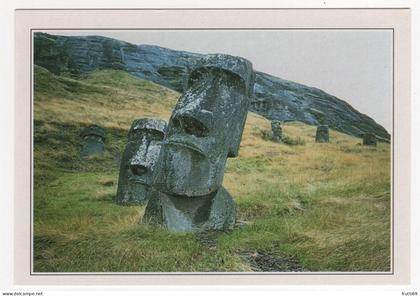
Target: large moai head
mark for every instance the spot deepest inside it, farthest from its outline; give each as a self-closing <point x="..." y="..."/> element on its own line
<point x="93" y="138"/>
<point x="138" y="160"/>
<point x="205" y="127"/>
<point x="277" y="131"/>
<point x="369" y="139"/>
<point x="322" y="134"/>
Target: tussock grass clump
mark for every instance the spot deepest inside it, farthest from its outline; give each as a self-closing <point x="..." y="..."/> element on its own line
<point x="300" y="205"/>
<point x="293" y="141"/>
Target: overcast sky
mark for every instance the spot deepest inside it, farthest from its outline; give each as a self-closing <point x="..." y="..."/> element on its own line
<point x="353" y="65"/>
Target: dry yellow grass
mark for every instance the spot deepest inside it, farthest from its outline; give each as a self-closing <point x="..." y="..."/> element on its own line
<point x="327" y="205"/>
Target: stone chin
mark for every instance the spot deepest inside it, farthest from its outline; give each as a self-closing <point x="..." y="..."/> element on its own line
<point x="133" y="192"/>
<point x="187" y="172"/>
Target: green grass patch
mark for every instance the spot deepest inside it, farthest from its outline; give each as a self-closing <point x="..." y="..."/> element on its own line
<point x="325" y="206"/>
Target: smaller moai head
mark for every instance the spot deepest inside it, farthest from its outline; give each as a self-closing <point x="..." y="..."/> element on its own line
<point x="138" y="160"/>
<point x="206" y="126"/>
<point x="369" y="139"/>
<point x="277" y="130"/>
<point x="93" y="138"/>
<point x="322" y="134"/>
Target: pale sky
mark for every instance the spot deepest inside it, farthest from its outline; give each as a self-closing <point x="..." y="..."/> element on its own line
<point x="353" y="65"/>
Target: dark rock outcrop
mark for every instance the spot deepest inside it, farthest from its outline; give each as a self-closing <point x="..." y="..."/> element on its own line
<point x="274" y="98"/>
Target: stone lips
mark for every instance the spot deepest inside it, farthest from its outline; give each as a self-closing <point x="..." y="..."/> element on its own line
<point x="281" y="99"/>
<point x="178" y="214"/>
<point x="93" y="130"/>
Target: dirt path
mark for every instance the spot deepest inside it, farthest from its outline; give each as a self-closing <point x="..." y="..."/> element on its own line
<point x="268" y="262"/>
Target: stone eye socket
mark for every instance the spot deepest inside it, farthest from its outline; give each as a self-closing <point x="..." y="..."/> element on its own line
<point x="149" y="133"/>
<point x="156" y="135"/>
<point x="191" y="126"/>
<point x="195" y="76"/>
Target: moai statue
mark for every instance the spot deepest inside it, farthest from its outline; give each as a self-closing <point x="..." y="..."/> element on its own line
<point x="322" y="134"/>
<point x="93" y="141"/>
<point x="205" y="129"/>
<point x="369" y="139"/>
<point x="277" y="131"/>
<point x="138" y="160"/>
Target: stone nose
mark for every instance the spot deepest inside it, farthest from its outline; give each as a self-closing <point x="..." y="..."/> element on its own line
<point x="138" y="169"/>
<point x="194" y="123"/>
<point x="138" y="164"/>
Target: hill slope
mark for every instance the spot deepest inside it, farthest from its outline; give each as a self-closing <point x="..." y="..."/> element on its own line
<point x="275" y="98"/>
<point x="300" y="206"/>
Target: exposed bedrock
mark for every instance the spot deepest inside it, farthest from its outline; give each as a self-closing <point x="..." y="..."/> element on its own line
<point x="274" y="98"/>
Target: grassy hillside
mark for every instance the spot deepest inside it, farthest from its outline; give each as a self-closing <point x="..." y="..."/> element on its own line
<point x="301" y="206"/>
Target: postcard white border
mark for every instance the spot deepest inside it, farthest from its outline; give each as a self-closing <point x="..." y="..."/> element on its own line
<point x="396" y="19"/>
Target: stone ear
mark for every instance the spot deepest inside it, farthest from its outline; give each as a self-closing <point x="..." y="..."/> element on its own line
<point x="234" y="148"/>
<point x="237" y="137"/>
<point x="240" y="125"/>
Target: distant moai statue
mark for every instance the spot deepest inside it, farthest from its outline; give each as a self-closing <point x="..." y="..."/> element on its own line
<point x="322" y="134"/>
<point x="93" y="138"/>
<point x="369" y="139"/>
<point x="277" y="131"/>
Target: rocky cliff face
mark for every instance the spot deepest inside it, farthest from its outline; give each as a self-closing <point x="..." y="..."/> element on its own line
<point x="274" y="98"/>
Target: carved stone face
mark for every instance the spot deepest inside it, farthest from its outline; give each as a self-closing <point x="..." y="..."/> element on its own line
<point x="138" y="160"/>
<point x="93" y="141"/>
<point x="205" y="127"/>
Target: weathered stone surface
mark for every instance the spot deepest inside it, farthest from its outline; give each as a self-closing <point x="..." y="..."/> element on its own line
<point x="322" y="134"/>
<point x="277" y="131"/>
<point x="93" y="138"/>
<point x="275" y="98"/>
<point x="205" y="127"/>
<point x="204" y="130"/>
<point x="369" y="139"/>
<point x="82" y="54"/>
<point x="279" y="99"/>
<point x="138" y="160"/>
<point x="215" y="211"/>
